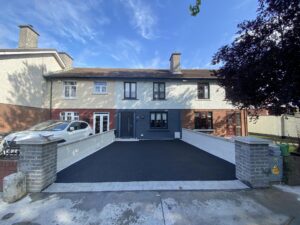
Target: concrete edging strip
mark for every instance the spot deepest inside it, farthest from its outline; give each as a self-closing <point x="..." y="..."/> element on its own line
<point x="146" y="186"/>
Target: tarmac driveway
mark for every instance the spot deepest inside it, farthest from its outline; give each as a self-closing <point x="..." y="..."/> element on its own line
<point x="148" y="161"/>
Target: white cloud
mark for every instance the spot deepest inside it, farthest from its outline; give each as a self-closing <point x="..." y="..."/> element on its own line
<point x="73" y="20"/>
<point x="242" y="4"/>
<point x="143" y="19"/>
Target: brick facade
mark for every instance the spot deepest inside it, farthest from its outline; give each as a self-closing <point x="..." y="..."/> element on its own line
<point x="87" y="115"/>
<point x="220" y="120"/>
<point x="7" y="167"/>
<point x="14" y="117"/>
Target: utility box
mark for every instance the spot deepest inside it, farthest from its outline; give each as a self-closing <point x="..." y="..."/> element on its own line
<point x="276" y="164"/>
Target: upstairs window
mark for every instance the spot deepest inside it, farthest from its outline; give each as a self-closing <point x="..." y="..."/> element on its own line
<point x="69" y="116"/>
<point x="159" y="91"/>
<point x="203" y="120"/>
<point x="129" y="90"/>
<point x="70" y="89"/>
<point x="159" y="120"/>
<point x="100" y="88"/>
<point x="203" y="91"/>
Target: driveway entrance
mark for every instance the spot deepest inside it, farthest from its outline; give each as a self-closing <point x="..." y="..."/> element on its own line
<point x="148" y="161"/>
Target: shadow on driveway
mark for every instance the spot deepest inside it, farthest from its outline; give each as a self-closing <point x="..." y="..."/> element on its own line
<point x="148" y="161"/>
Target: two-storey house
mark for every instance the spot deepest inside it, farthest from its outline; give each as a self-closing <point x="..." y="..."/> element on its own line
<point x="145" y="103"/>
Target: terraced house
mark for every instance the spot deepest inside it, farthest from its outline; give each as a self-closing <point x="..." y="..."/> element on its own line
<point x="137" y="103"/>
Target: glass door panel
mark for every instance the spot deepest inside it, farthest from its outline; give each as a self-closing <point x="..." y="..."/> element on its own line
<point x="101" y="122"/>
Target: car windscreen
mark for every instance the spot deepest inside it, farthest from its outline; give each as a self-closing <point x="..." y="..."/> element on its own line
<point x="50" y="126"/>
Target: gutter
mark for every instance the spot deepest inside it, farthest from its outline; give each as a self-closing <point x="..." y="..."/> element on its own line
<point x="56" y="55"/>
<point x="127" y="78"/>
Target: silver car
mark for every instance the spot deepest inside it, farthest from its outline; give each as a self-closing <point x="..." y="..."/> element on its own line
<point x="67" y="131"/>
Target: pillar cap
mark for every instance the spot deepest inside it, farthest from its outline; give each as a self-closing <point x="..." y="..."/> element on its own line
<point x="38" y="141"/>
<point x="253" y="140"/>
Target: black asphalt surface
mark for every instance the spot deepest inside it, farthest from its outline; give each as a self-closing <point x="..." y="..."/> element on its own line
<point x="148" y="161"/>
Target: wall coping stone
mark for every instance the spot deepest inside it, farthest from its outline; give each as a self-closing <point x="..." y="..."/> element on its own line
<point x="209" y="135"/>
<point x="85" y="138"/>
<point x="38" y="141"/>
<point x="253" y="140"/>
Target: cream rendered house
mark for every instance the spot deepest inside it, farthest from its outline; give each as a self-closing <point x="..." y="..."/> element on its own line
<point x="23" y="97"/>
<point x="145" y="103"/>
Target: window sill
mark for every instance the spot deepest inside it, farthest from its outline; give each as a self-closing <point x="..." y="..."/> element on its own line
<point x="129" y="99"/>
<point x="95" y="93"/>
<point x="69" y="98"/>
<point x="159" y="99"/>
<point x="158" y="130"/>
<point x="204" y="130"/>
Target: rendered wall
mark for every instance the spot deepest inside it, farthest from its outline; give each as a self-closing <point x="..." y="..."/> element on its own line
<point x="70" y="153"/>
<point x="282" y="126"/>
<point x="179" y="95"/>
<point x="22" y="81"/>
<point x="217" y="146"/>
<point x="85" y="99"/>
<point x="142" y="128"/>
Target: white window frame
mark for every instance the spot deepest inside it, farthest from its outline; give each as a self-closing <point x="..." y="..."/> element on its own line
<point x="102" y="85"/>
<point x="73" y="115"/>
<point x="65" y="85"/>
<point x="101" y="114"/>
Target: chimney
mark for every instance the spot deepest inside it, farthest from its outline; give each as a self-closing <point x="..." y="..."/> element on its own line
<point x="28" y="37"/>
<point x="175" y="63"/>
<point x="67" y="59"/>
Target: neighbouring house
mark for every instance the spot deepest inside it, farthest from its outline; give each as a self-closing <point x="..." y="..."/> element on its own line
<point x="22" y="85"/>
<point x="137" y="103"/>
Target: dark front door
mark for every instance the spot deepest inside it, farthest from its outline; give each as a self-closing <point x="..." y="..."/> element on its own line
<point x="127" y="124"/>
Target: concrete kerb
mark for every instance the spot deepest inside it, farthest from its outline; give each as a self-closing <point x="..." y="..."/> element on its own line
<point x="147" y="186"/>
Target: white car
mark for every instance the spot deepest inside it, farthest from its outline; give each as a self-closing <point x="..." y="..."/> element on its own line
<point x="67" y="131"/>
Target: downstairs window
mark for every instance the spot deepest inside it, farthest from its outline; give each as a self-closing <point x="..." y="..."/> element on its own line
<point x="69" y="116"/>
<point x="159" y="120"/>
<point x="203" y="120"/>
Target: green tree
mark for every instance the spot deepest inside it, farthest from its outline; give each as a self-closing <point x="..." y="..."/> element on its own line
<point x="195" y="9"/>
<point x="260" y="69"/>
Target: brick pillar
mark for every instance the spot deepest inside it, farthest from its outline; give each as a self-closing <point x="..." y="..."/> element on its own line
<point x="37" y="161"/>
<point x="252" y="161"/>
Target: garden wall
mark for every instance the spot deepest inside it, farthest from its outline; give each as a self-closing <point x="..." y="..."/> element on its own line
<point x="69" y="153"/>
<point x="218" y="146"/>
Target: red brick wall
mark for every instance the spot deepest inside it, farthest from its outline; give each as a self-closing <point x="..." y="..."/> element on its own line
<point x="7" y="166"/>
<point x="15" y="118"/>
<point x="220" y="125"/>
<point x="87" y="115"/>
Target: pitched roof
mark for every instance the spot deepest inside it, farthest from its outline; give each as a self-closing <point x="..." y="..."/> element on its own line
<point x="115" y="73"/>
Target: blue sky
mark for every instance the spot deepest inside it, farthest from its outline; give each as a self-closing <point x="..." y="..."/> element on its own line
<point x="127" y="33"/>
